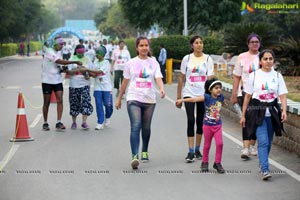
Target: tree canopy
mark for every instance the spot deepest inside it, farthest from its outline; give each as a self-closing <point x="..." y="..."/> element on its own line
<point x="169" y="13"/>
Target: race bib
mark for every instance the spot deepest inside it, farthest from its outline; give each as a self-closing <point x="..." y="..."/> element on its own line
<point x="143" y="83"/>
<point x="195" y="79"/>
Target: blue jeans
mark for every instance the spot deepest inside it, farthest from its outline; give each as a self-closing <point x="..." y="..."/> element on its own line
<point x="264" y="134"/>
<point x="103" y="98"/>
<point x="140" y="116"/>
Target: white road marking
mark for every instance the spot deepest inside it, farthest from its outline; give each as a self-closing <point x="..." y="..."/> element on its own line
<point x="9" y="156"/>
<point x="12" y="87"/>
<point x="36" y="121"/>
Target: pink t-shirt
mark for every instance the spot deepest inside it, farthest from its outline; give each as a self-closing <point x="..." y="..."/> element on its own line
<point x="142" y="74"/>
<point x="245" y="64"/>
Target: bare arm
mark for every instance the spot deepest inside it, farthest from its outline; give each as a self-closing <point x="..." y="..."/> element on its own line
<point x="160" y="85"/>
<point x="245" y="106"/>
<point x="283" y="106"/>
<point x="122" y="91"/>
<point x="112" y="65"/>
<point x="181" y="80"/>
<point x="194" y="99"/>
<point x="66" y="62"/>
<point x="236" y="83"/>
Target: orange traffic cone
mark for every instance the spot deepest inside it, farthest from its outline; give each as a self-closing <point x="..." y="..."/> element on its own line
<point x="36" y="53"/>
<point x="53" y="98"/>
<point x="21" y="133"/>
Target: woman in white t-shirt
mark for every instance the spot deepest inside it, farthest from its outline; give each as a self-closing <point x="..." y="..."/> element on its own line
<point x="141" y="73"/>
<point x="265" y="86"/>
<point x="195" y="69"/>
<point x="79" y="89"/>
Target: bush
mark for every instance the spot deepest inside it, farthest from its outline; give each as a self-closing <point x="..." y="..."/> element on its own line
<point x="177" y="46"/>
<point x="8" y="49"/>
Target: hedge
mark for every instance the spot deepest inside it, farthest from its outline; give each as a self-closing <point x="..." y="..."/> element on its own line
<point x="178" y="46"/>
<point x="11" y="49"/>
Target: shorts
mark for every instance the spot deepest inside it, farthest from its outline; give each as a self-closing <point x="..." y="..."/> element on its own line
<point x="48" y="88"/>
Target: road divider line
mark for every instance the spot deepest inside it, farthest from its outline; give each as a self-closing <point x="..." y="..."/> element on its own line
<point x="8" y="156"/>
<point x="36" y="121"/>
<point x="236" y="141"/>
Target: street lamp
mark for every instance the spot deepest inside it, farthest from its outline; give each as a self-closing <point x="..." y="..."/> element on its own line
<point x="185" y="22"/>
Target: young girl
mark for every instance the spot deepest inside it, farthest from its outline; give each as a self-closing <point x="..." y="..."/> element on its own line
<point x="141" y="73"/>
<point x="212" y="123"/>
<point x="102" y="88"/>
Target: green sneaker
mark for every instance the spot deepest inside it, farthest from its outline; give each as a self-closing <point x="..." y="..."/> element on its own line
<point x="145" y="157"/>
<point x="135" y="162"/>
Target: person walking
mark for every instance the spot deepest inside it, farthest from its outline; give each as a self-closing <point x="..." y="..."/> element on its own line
<point x="119" y="58"/>
<point x="246" y="63"/>
<point x="195" y="69"/>
<point x="263" y="88"/>
<point x="52" y="81"/>
<point x="79" y="90"/>
<point x="212" y="123"/>
<point x="162" y="61"/>
<point x="102" y="88"/>
<point x="140" y="73"/>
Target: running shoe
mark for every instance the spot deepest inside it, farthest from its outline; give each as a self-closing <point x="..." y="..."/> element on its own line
<point x="245" y="153"/>
<point x="253" y="151"/>
<point x="74" y="125"/>
<point x="198" y="155"/>
<point x="219" y="168"/>
<point x="190" y="158"/>
<point x="84" y="126"/>
<point x="106" y="122"/>
<point x="46" y="127"/>
<point x="60" y="126"/>
<point x="204" y="167"/>
<point x="135" y="162"/>
<point x="266" y="176"/>
<point x="145" y="157"/>
<point x="99" y="127"/>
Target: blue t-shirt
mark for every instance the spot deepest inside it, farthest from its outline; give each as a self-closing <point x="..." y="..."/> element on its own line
<point x="213" y="107"/>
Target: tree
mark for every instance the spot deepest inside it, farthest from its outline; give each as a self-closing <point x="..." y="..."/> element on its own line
<point x="113" y="23"/>
<point x="169" y="13"/>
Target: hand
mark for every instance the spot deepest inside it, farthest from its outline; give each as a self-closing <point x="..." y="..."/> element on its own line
<point x="178" y="103"/>
<point x="283" y="117"/>
<point x="118" y="103"/>
<point x="83" y="69"/>
<point x="78" y="63"/>
<point x="233" y="99"/>
<point x="162" y="93"/>
<point x="243" y="121"/>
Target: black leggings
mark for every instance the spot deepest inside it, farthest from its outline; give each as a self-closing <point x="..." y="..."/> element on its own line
<point x="190" y="113"/>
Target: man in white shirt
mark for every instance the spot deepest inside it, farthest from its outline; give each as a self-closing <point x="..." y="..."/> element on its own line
<point x="52" y="81"/>
<point x="162" y="61"/>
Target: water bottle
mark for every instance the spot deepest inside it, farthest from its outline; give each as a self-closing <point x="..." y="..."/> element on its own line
<point x="237" y="109"/>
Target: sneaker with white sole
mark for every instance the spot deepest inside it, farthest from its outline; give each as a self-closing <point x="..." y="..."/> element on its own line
<point x="266" y="176"/>
<point x="106" y="122"/>
<point x="253" y="151"/>
<point x="99" y="127"/>
<point x="245" y="153"/>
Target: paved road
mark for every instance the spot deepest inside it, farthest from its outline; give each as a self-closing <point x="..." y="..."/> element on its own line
<point x="96" y="164"/>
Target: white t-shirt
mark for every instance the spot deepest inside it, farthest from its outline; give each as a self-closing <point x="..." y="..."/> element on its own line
<point x="102" y="81"/>
<point x="50" y="71"/>
<point x="120" y="57"/>
<point x="245" y="64"/>
<point x="265" y="86"/>
<point x="196" y="70"/>
<point x="141" y="74"/>
<point x="78" y="80"/>
<point x="108" y="51"/>
<point x="91" y="54"/>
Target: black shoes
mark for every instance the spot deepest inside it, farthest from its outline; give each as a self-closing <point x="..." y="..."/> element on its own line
<point x="46" y="127"/>
<point x="204" y="167"/>
<point x="198" y="155"/>
<point x="219" y="168"/>
<point x="190" y="157"/>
